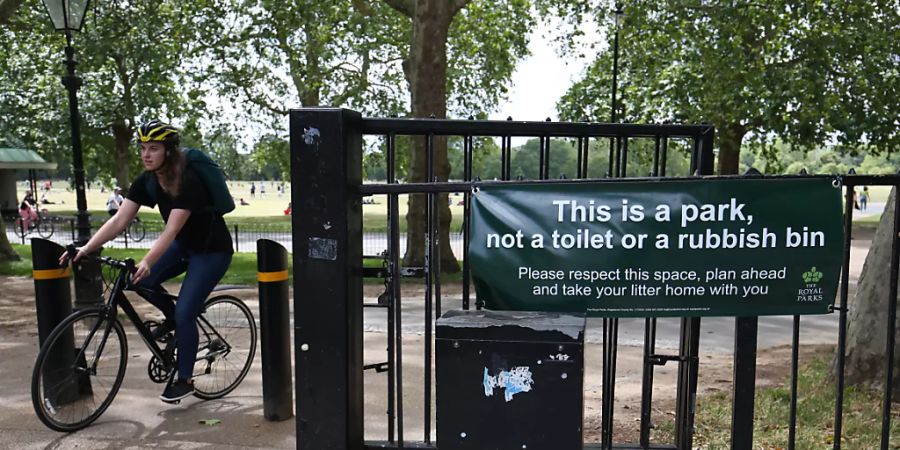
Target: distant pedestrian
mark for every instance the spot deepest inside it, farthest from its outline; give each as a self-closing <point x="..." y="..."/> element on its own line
<point x="114" y="202"/>
<point x="262" y="189"/>
<point x="252" y="190"/>
<point x="864" y="198"/>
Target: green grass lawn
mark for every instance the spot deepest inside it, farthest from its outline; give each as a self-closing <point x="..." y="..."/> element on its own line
<point x="374" y="219"/>
<point x="242" y="270"/>
<point x="815" y="415"/>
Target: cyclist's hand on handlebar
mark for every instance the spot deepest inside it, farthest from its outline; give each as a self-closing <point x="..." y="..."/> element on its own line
<point x="142" y="270"/>
<point x="72" y="254"/>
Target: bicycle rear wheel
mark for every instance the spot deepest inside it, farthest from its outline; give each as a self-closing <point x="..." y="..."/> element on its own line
<point x="79" y="370"/>
<point x="227" y="346"/>
<point x="19" y="227"/>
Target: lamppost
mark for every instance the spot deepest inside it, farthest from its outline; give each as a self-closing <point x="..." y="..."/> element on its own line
<point x="614" y="150"/>
<point x="67" y="16"/>
<point x="615" y="79"/>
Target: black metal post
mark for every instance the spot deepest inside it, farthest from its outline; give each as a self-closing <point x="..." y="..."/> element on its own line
<point x="72" y="82"/>
<point x="615" y="80"/>
<point x="840" y="358"/>
<point x="795" y="357"/>
<point x="53" y="303"/>
<point x="647" y="381"/>
<point x="52" y="294"/>
<point x="891" y="333"/>
<point x="745" y="337"/>
<point x="614" y="143"/>
<point x="274" y="330"/>
<point x="88" y="283"/>
<point x="686" y="396"/>
<point x="326" y="173"/>
<point x="746" y="330"/>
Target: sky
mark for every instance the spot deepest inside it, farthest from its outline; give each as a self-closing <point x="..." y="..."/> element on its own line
<point x="538" y="83"/>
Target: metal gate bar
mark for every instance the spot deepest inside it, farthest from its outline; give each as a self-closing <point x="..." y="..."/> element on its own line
<point x="395" y="357"/>
<point x="842" y="319"/>
<point x="891" y="320"/>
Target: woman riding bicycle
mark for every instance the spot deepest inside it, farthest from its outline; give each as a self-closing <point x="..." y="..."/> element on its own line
<point x="28" y="211"/>
<point x="195" y="241"/>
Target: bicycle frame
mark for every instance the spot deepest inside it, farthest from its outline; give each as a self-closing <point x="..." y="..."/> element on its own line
<point x="117" y="299"/>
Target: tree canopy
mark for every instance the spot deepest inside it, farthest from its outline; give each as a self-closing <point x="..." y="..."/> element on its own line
<point x="133" y="59"/>
<point x="804" y="72"/>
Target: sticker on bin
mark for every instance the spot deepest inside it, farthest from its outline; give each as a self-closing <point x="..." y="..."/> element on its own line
<point x="514" y="381"/>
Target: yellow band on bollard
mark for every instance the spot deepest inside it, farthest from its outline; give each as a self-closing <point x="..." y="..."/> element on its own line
<point x="268" y="277"/>
<point x="52" y="274"/>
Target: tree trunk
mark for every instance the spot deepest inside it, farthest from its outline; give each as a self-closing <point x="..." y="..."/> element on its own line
<point x="6" y="251"/>
<point x="122" y="135"/>
<point x="427" y="74"/>
<point x="8" y="10"/>
<point x="730" y="137"/>
<point x="867" y="325"/>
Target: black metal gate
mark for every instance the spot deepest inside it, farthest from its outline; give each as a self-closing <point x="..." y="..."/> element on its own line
<point x="326" y="170"/>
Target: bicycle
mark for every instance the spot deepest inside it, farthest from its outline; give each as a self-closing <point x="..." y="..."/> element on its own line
<point x="42" y="224"/>
<point x="135" y="231"/>
<point x="81" y="365"/>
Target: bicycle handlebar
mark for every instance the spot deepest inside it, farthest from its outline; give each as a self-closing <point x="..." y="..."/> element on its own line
<point x="127" y="264"/>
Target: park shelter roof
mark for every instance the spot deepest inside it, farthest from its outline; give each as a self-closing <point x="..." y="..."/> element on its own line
<point x="20" y="158"/>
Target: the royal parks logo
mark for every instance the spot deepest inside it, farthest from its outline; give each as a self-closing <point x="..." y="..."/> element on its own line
<point x="810" y="292"/>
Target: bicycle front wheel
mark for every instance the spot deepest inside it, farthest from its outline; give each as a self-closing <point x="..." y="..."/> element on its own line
<point x="45" y="228"/>
<point x="227" y="346"/>
<point x="79" y="370"/>
<point x="136" y="231"/>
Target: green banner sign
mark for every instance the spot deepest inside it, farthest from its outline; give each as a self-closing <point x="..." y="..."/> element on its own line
<point x="704" y="247"/>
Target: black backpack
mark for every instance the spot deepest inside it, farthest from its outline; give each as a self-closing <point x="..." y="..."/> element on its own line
<point x="210" y="174"/>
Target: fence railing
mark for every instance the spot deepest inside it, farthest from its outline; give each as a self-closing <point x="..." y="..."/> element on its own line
<point x="141" y="235"/>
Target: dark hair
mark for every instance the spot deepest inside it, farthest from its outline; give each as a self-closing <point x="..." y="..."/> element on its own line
<point x="172" y="170"/>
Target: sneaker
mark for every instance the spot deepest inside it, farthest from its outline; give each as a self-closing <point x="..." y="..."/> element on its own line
<point x="161" y="332"/>
<point x="177" y="390"/>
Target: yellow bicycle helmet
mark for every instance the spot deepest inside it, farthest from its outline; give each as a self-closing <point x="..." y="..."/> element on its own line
<point x="156" y="131"/>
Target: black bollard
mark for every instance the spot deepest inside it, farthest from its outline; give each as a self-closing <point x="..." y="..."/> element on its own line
<point x="53" y="303"/>
<point x="52" y="292"/>
<point x="274" y="326"/>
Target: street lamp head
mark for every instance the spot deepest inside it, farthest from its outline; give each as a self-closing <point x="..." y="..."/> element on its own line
<point x="66" y="15"/>
<point x="618" y="14"/>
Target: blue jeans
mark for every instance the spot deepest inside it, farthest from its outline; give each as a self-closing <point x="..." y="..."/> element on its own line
<point x="203" y="272"/>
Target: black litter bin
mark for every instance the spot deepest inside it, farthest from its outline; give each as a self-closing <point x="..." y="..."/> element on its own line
<point x="509" y="380"/>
